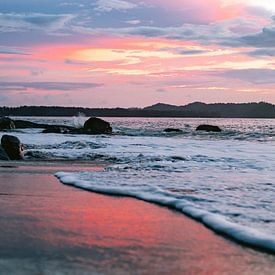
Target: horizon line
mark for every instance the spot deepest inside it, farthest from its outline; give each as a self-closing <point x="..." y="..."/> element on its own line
<point x="198" y="102"/>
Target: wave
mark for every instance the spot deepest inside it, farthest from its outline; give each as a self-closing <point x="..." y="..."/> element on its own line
<point x="191" y="133"/>
<point x="240" y="233"/>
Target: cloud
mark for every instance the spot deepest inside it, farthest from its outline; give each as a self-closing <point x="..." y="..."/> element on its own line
<point x="13" y="22"/>
<point x="4" y="50"/>
<point x="236" y="32"/>
<point x="258" y="11"/>
<point x="147" y="31"/>
<point x="216" y="33"/>
<point x="49" y="86"/>
<point x="161" y="90"/>
<point x="192" y="52"/>
<point x="255" y="76"/>
<point x="224" y="33"/>
<point x="110" y="5"/>
<point x="73" y="62"/>
<point x="72" y="4"/>
<point x="36" y="72"/>
<point x="264" y="39"/>
<point x="262" y="53"/>
<point x="133" y="22"/>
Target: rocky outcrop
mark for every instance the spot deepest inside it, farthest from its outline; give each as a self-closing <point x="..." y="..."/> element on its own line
<point x="6" y="123"/>
<point x="208" y="128"/>
<point x="57" y="130"/>
<point x="13" y="147"/>
<point x="23" y="124"/>
<point x="3" y="154"/>
<point x="92" y="126"/>
<point x="96" y="125"/>
<point x="172" y="130"/>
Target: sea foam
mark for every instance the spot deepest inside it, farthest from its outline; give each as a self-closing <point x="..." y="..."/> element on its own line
<point x="216" y="222"/>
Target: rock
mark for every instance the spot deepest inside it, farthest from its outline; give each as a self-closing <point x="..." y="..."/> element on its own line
<point x="6" y="123"/>
<point x="22" y="124"/>
<point x="96" y="125"/>
<point x="56" y="130"/>
<point x="92" y="126"/>
<point x="208" y="128"/>
<point x="172" y="130"/>
<point x="13" y="147"/>
<point x="3" y="154"/>
<point x="37" y="155"/>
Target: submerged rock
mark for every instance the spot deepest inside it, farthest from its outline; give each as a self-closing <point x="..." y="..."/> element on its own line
<point x="38" y="155"/>
<point x="96" y="125"/>
<point x="208" y="128"/>
<point x="56" y="130"/>
<point x="172" y="130"/>
<point x="13" y="147"/>
<point x="22" y="124"/>
<point x="6" y="123"/>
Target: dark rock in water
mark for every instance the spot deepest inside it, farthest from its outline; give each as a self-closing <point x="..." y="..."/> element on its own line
<point x="37" y="155"/>
<point x="22" y="124"/>
<point x="13" y="147"/>
<point x="92" y="126"/>
<point x="96" y="125"/>
<point x="3" y="154"/>
<point x="6" y="123"/>
<point x="172" y="130"/>
<point x="208" y="128"/>
<point x="56" y="130"/>
<point x="80" y="131"/>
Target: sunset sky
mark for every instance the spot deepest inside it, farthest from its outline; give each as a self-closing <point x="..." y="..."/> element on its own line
<point x="128" y="53"/>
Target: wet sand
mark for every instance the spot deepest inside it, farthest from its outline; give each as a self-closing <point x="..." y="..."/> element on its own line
<point x="50" y="228"/>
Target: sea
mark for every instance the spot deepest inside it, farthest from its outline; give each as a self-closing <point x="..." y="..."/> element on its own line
<point x="224" y="180"/>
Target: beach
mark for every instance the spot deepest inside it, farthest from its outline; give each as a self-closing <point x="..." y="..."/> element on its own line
<point x="51" y="228"/>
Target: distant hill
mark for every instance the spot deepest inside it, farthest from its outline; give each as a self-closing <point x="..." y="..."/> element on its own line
<point x="196" y="109"/>
<point x="162" y="107"/>
<point x="226" y="110"/>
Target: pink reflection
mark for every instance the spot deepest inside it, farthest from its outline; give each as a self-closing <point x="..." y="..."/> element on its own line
<point x="57" y="219"/>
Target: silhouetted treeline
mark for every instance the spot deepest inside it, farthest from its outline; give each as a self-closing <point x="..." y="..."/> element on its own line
<point x="223" y="110"/>
<point x="197" y="109"/>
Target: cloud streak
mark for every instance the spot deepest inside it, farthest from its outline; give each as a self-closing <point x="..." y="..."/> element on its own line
<point x="19" y="22"/>
<point x="49" y="86"/>
<point x="255" y="76"/>
<point x="110" y="5"/>
<point x="5" y="50"/>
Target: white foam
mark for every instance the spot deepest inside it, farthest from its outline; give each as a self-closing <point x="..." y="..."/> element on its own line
<point x="218" y="223"/>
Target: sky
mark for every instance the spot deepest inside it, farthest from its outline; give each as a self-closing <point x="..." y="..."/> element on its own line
<point x="127" y="53"/>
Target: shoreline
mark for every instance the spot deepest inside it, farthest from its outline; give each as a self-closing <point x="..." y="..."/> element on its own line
<point x="50" y="166"/>
<point x="53" y="227"/>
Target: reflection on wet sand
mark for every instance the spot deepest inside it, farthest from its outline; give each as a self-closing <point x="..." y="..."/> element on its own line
<point x="55" y="228"/>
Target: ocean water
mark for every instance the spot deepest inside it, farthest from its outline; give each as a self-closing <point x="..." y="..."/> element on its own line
<point x="225" y="180"/>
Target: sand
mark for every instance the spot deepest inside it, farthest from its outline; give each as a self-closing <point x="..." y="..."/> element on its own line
<point x="50" y="228"/>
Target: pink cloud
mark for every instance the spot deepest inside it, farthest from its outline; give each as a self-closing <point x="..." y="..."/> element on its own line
<point x="202" y="10"/>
